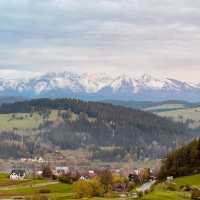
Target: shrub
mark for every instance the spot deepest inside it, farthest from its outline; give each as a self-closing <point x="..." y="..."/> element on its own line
<point x="47" y="172"/>
<point x="69" y="178"/>
<point x="195" y="194"/>
<point x="66" y="179"/>
<point x="130" y="187"/>
<point x="106" y="180"/>
<point x="44" y="191"/>
<point x="171" y="186"/>
<point x="88" y="188"/>
<point x="140" y="194"/>
<point x="37" y="197"/>
<point x="186" y="188"/>
<point x="82" y="189"/>
<point x="97" y="187"/>
<point x="116" y="178"/>
<point x="110" y="194"/>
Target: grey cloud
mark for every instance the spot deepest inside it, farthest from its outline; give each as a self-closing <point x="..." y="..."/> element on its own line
<point x="105" y="34"/>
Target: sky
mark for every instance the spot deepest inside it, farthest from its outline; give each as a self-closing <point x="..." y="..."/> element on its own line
<point x="158" y="37"/>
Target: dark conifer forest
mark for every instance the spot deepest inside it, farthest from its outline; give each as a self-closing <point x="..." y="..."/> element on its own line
<point x="101" y="125"/>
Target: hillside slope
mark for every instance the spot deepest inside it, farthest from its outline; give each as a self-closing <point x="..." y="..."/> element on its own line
<point x="110" y="132"/>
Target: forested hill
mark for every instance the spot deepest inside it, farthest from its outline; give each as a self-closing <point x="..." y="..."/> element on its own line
<point x="182" y="161"/>
<point x="115" y="115"/>
<point x="98" y="125"/>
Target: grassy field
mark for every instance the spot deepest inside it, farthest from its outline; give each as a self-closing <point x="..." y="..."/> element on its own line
<point x="61" y="191"/>
<point x="189" y="180"/>
<point x="192" y="114"/>
<point x="165" y="107"/>
<point x="161" y="193"/>
<point x="23" y="122"/>
<point x="9" y="122"/>
<point x="30" y="187"/>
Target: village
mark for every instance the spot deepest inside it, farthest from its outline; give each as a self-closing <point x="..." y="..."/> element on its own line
<point x="139" y="179"/>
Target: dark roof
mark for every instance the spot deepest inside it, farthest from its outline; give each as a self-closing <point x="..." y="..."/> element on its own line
<point x="19" y="172"/>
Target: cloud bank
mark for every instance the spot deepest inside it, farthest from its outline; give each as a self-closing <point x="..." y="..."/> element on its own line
<point x="114" y="36"/>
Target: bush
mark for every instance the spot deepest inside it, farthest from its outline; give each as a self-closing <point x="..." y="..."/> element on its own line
<point x="116" y="178"/>
<point x="82" y="189"/>
<point x="106" y="180"/>
<point x="195" y="194"/>
<point x="88" y="188"/>
<point x="47" y="172"/>
<point x="97" y="187"/>
<point x="171" y="186"/>
<point x="65" y="179"/>
<point x="37" y="197"/>
<point x="44" y="191"/>
<point x="186" y="188"/>
<point x="140" y="194"/>
<point x="130" y="187"/>
<point x="110" y="194"/>
<point x="69" y="178"/>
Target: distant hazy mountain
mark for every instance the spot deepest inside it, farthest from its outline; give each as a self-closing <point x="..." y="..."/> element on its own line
<point x="99" y="87"/>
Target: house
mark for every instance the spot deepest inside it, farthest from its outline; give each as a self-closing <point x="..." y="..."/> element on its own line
<point x="169" y="178"/>
<point x="41" y="160"/>
<point x="17" y="174"/>
<point x="133" y="177"/>
<point x="91" y="174"/>
<point x="39" y="173"/>
<point x="83" y="178"/>
<point x="61" y="170"/>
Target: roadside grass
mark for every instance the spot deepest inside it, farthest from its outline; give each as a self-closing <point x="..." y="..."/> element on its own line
<point x="188" y="180"/>
<point x="161" y="193"/>
<point x="6" y="182"/>
<point x="57" y="189"/>
<point x="166" y="195"/>
<point x="61" y="191"/>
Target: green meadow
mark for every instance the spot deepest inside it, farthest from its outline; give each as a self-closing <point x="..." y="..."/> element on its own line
<point x="183" y="115"/>
<point x="160" y="192"/>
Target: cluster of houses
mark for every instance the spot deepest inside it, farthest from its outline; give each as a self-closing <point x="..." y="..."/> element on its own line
<point x="57" y="171"/>
<point x="33" y="160"/>
<point x="17" y="174"/>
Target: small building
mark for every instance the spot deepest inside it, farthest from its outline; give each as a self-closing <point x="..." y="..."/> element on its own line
<point x="91" y="174"/>
<point x="39" y="173"/>
<point x="133" y="177"/>
<point x="41" y="160"/>
<point x="17" y="174"/>
<point x="61" y="170"/>
<point x="169" y="178"/>
<point x="83" y="178"/>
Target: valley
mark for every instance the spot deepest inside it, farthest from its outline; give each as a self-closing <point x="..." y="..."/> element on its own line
<point x="86" y="135"/>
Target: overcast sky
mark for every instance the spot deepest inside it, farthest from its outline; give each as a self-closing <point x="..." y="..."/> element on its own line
<point x="158" y="37"/>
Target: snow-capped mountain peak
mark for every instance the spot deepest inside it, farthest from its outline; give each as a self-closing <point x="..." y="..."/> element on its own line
<point x="94" y="86"/>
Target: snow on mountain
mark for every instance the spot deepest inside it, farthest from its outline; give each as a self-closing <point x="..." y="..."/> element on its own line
<point x="96" y="86"/>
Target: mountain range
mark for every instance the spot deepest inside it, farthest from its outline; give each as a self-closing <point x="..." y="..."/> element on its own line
<point x="98" y="87"/>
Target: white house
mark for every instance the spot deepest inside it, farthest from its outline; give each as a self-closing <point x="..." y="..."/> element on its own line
<point x="62" y="170"/>
<point x="17" y="175"/>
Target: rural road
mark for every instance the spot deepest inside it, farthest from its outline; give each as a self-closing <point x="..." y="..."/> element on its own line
<point x="146" y="186"/>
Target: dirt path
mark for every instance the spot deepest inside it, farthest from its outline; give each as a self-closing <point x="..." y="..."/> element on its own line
<point x="28" y="186"/>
